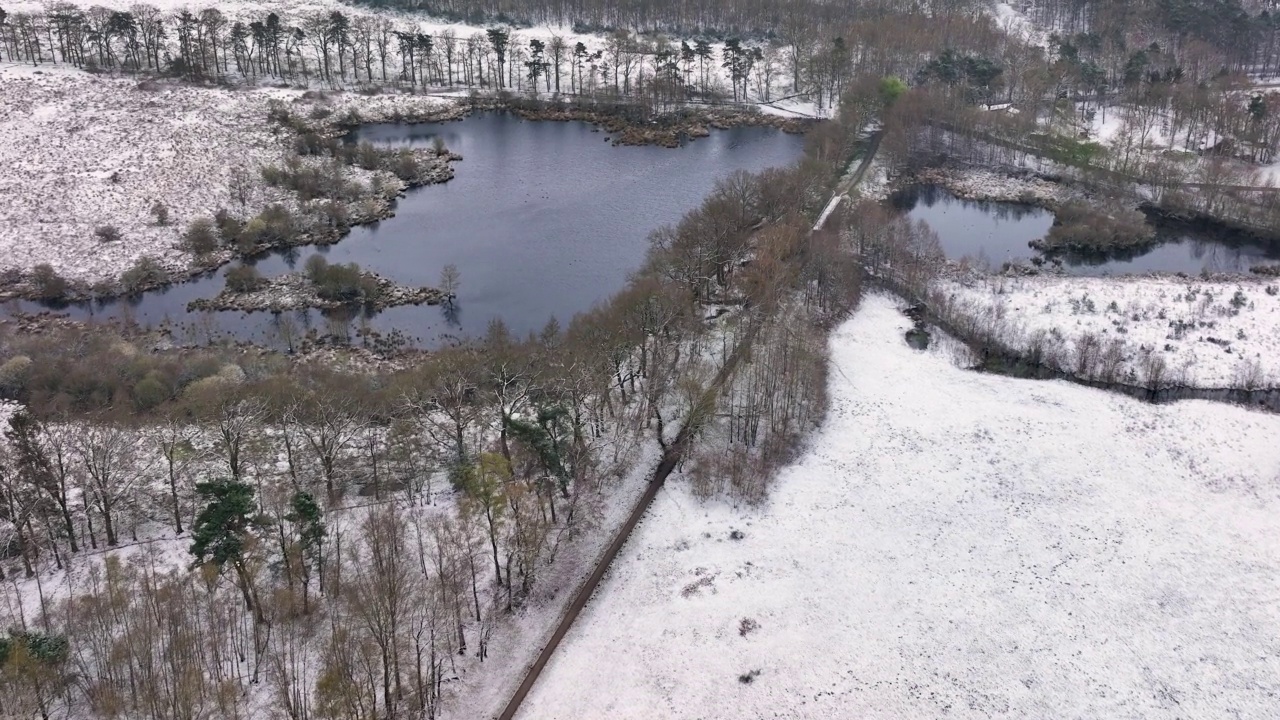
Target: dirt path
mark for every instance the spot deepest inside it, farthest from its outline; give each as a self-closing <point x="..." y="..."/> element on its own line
<point x="670" y="458"/>
<point x="842" y="190"/>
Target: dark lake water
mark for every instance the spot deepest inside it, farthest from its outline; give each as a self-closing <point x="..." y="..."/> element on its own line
<point x="542" y="219"/>
<point x="993" y="233"/>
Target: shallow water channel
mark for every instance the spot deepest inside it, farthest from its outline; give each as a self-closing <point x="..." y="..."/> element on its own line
<point x="541" y="219"/>
<point x="992" y="233"/>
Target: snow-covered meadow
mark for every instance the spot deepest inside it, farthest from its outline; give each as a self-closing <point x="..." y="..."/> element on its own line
<point x="1211" y="333"/>
<point x="960" y="545"/>
<point x="66" y="134"/>
<point x="85" y="151"/>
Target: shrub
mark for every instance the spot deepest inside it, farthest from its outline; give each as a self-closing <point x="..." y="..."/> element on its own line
<point x="437" y="144"/>
<point x="341" y="283"/>
<point x="107" y="233"/>
<point x="272" y="226"/>
<point x="335" y="213"/>
<point x="243" y="278"/>
<point x="102" y="288"/>
<point x="278" y="114"/>
<point x="13" y="376"/>
<point x="310" y="143"/>
<point x="273" y="176"/>
<point x="229" y="227"/>
<point x="145" y="273"/>
<point x="1078" y="226"/>
<point x="199" y="368"/>
<point x="161" y="213"/>
<point x="48" y="284"/>
<point x="367" y="156"/>
<point x="201" y="237"/>
<point x="405" y="166"/>
<point x="315" y="267"/>
<point x="310" y="183"/>
<point x="150" y="391"/>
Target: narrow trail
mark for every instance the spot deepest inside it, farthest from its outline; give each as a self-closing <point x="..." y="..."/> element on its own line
<point x="671" y="457"/>
<point x="673" y="454"/>
<point x="842" y="190"/>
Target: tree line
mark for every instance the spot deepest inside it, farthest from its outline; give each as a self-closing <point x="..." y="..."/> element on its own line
<point x="1240" y="36"/>
<point x="338" y="48"/>
<point x="806" y="49"/>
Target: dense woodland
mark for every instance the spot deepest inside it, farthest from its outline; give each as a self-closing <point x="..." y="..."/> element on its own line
<point x="1170" y="73"/>
<point x="338" y="48"/>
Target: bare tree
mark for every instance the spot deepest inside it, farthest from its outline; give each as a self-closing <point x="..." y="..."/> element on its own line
<point x="108" y="451"/>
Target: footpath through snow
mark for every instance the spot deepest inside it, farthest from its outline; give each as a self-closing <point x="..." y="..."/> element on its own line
<point x="955" y="544"/>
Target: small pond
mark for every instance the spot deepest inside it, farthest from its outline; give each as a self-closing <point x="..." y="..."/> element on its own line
<point x="542" y="219"/>
<point x="992" y="233"/>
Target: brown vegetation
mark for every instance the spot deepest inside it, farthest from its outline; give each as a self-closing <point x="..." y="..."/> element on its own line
<point x="397" y="515"/>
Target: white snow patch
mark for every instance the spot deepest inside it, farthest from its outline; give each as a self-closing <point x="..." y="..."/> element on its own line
<point x="1270" y="174"/>
<point x="1017" y="24"/>
<point x="960" y="545"/>
<point x="1210" y="333"/>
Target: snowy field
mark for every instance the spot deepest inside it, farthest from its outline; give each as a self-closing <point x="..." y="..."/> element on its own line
<point x="66" y="133"/>
<point x="955" y="545"/>
<point x="85" y="151"/>
<point x="1210" y="334"/>
<point x="1016" y="23"/>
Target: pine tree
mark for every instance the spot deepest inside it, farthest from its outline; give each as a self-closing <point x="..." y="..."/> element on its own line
<point x="499" y="38"/>
<point x="223" y="531"/>
<point x="307" y="517"/>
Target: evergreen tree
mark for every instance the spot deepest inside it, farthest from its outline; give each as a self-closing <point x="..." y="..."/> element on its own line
<point x="32" y="668"/>
<point x="499" y="38"/>
<point x="307" y="518"/>
<point x="223" y="531"/>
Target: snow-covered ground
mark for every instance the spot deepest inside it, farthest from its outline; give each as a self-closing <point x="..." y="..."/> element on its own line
<point x="1015" y="22"/>
<point x="1210" y="333"/>
<point x="84" y="151"/>
<point x="1270" y="173"/>
<point x="954" y="545"/>
<point x="64" y="134"/>
<point x="994" y="186"/>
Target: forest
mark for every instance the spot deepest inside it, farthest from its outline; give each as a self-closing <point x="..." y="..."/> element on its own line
<point x="342" y="543"/>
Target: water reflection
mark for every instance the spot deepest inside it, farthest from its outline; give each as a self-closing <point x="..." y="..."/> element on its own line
<point x="986" y="233"/>
<point x="992" y="233"/>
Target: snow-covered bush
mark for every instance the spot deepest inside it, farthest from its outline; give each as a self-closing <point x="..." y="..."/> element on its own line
<point x="107" y="233"/>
